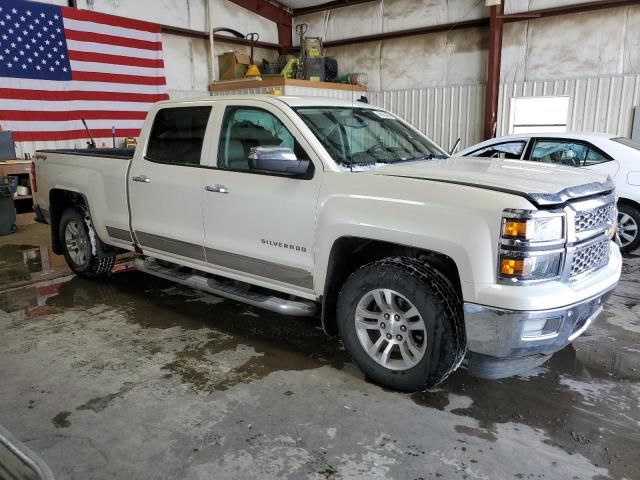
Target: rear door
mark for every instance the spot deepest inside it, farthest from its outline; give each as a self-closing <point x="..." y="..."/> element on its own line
<point x="165" y="185"/>
<point x="259" y="225"/>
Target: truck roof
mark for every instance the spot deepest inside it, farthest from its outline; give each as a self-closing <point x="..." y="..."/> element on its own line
<point x="292" y="101"/>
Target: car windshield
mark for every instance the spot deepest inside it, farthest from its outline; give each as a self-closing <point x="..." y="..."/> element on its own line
<point x="627" y="142"/>
<point x="363" y="138"/>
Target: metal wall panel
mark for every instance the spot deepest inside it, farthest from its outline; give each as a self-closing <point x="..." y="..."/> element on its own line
<point x="599" y="104"/>
<point x="444" y="114"/>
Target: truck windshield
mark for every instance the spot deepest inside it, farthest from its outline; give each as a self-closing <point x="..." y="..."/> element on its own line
<point x="362" y="138"/>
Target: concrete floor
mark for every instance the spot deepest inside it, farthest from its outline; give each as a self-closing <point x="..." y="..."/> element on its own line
<point x="139" y="379"/>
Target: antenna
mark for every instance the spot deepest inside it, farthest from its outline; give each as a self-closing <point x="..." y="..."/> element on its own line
<point x="91" y="143"/>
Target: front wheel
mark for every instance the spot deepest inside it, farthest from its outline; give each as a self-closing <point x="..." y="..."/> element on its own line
<point x="402" y="322"/>
<point x="628" y="225"/>
<point x="81" y="246"/>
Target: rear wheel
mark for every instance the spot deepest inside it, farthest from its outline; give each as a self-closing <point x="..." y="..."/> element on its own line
<point x="628" y="227"/>
<point x="402" y="322"/>
<point x="84" y="252"/>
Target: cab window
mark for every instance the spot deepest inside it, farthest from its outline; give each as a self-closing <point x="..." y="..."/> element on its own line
<point x="244" y="128"/>
<point x="177" y="135"/>
<point x="511" y="150"/>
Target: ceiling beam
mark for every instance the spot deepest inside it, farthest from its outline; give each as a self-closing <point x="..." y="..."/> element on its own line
<point x="569" y="9"/>
<point x="446" y="27"/>
<point x="186" y="32"/>
<point x="331" y="5"/>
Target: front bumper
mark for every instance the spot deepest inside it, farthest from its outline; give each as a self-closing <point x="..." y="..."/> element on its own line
<point x="504" y="333"/>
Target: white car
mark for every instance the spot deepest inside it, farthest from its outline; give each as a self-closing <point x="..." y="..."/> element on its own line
<point x="617" y="156"/>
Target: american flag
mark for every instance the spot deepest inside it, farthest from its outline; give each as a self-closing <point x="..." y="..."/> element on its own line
<point x="59" y="65"/>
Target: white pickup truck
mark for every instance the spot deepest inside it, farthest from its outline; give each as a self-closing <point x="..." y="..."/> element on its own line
<point x="416" y="260"/>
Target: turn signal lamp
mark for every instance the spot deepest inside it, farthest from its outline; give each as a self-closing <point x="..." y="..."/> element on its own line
<point x="510" y="267"/>
<point x="514" y="228"/>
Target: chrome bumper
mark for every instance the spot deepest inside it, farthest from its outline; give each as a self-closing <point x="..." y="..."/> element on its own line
<point x="510" y="334"/>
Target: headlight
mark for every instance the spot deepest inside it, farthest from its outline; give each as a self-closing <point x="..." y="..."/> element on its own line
<point x="517" y="266"/>
<point x="533" y="227"/>
<point x="531" y="245"/>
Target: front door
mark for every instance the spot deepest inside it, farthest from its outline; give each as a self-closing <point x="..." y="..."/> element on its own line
<point x="165" y="185"/>
<point x="261" y="226"/>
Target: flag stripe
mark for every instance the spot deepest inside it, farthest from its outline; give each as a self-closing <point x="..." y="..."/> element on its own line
<point x="112" y="40"/>
<point x="106" y="19"/>
<point x="69" y="125"/>
<point x="71" y="95"/>
<point x="42" y="115"/>
<point x="61" y="106"/>
<point x="115" y="78"/>
<point x="96" y="67"/>
<point x="112" y="50"/>
<point x="119" y="31"/>
<point x="46" y="136"/>
<point x="89" y="86"/>
<point x="116" y="59"/>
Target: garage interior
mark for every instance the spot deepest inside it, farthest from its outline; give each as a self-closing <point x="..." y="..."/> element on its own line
<point x="142" y="378"/>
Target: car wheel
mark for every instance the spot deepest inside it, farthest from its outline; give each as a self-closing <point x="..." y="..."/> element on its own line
<point x="402" y="322"/>
<point x="83" y="250"/>
<point x="628" y="223"/>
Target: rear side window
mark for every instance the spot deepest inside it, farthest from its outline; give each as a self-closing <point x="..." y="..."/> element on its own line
<point x="511" y="150"/>
<point x="177" y="135"/>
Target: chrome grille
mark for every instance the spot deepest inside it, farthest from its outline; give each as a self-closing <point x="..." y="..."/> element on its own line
<point x="590" y="258"/>
<point x="595" y="218"/>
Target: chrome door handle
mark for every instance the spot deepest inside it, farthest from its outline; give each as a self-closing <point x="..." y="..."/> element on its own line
<point x="216" y="189"/>
<point x="141" y="178"/>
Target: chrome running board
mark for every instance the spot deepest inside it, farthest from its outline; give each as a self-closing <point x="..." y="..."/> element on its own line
<point x="297" y="308"/>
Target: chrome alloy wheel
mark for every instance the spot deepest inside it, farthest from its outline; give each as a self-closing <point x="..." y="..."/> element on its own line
<point x="77" y="242"/>
<point x="390" y="329"/>
<point x="627" y="229"/>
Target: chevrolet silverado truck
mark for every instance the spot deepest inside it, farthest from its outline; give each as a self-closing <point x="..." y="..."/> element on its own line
<point x="296" y="205"/>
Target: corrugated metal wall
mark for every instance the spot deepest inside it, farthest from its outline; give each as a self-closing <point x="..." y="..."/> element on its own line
<point x="600" y="104"/>
<point x="444" y="114"/>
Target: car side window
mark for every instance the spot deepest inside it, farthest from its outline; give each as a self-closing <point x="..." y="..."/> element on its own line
<point x="244" y="128"/>
<point x="595" y="156"/>
<point x="177" y="135"/>
<point x="511" y="150"/>
<point x="561" y="152"/>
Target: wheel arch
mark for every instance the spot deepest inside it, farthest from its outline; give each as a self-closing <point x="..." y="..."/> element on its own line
<point x="59" y="200"/>
<point x="628" y="201"/>
<point x="350" y="253"/>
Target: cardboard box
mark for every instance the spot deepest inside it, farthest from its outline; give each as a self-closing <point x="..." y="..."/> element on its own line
<point x="232" y="65"/>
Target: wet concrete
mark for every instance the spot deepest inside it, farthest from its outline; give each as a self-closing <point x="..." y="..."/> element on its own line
<point x="138" y="378"/>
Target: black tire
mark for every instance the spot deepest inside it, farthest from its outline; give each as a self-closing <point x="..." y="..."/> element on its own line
<point x="97" y="262"/>
<point x="439" y="305"/>
<point x="634" y="213"/>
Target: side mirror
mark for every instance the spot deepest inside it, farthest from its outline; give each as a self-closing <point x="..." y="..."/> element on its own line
<point x="277" y="160"/>
<point x="454" y="149"/>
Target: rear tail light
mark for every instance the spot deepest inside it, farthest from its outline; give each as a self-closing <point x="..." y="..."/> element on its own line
<point x="34" y="180"/>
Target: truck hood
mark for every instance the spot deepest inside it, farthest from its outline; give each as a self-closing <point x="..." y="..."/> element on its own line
<point x="541" y="183"/>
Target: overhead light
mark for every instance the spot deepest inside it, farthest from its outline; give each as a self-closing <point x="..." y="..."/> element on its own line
<point x="492" y="3"/>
